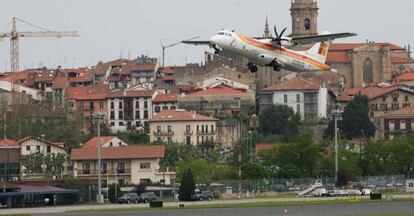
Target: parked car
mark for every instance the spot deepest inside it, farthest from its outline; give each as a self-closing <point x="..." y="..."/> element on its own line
<point x="203" y="195"/>
<point x="148" y="197"/>
<point x="129" y="198"/>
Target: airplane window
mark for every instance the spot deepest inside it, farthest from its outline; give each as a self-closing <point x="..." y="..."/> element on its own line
<point x="221" y="33"/>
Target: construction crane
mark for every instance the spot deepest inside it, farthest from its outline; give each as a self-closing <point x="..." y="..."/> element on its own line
<point x="14" y="36"/>
<point x="164" y="47"/>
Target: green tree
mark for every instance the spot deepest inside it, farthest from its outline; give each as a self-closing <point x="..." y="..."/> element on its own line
<point x="114" y="192"/>
<point x="33" y="162"/>
<point x="201" y="168"/>
<point x="355" y="119"/>
<point x="187" y="186"/>
<point x="279" y="119"/>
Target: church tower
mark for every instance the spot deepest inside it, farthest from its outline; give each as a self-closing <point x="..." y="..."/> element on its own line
<point x="304" y="17"/>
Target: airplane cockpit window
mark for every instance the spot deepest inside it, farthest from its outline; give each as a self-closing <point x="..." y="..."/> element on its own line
<point x="221" y="33"/>
<point x="225" y="33"/>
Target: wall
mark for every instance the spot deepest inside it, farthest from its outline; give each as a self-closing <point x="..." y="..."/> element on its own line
<point x="33" y="143"/>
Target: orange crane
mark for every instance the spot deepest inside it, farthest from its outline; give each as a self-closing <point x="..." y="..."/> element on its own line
<point x="14" y="36"/>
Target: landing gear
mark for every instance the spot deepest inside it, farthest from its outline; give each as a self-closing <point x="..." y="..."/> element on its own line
<point x="277" y="67"/>
<point x="216" y="52"/>
<point x="252" y="67"/>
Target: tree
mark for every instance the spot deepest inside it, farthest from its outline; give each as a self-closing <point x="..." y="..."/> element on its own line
<point x="33" y="162"/>
<point x="201" y="168"/>
<point x="279" y="119"/>
<point x="187" y="187"/>
<point x="114" y="192"/>
<point x="355" y="119"/>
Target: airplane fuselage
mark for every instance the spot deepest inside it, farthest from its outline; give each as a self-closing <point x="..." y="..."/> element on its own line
<point x="265" y="53"/>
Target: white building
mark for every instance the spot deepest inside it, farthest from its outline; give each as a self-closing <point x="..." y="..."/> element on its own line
<point x="122" y="165"/>
<point x="31" y="145"/>
<point x="165" y="102"/>
<point x="130" y="109"/>
<point x="307" y="98"/>
<point x="409" y="185"/>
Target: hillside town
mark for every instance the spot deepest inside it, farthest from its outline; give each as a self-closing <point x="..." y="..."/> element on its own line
<point x="130" y="122"/>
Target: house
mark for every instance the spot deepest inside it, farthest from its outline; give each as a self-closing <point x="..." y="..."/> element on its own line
<point x="9" y="160"/>
<point x="130" y="109"/>
<point x="398" y="122"/>
<point x="30" y="145"/>
<point x="405" y="79"/>
<point x="87" y="100"/>
<point x="107" y="141"/>
<point x="122" y="165"/>
<point x="180" y="126"/>
<point x="307" y="98"/>
<point x="165" y="101"/>
<point x="219" y="99"/>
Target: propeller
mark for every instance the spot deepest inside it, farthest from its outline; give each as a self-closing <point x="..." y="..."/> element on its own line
<point x="279" y="38"/>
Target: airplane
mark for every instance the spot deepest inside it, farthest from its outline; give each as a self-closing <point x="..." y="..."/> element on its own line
<point x="272" y="52"/>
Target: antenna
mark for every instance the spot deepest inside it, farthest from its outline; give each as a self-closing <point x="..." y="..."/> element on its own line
<point x="164" y="47"/>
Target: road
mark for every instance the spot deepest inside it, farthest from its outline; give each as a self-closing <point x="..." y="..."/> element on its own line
<point x="390" y="208"/>
<point x="65" y="210"/>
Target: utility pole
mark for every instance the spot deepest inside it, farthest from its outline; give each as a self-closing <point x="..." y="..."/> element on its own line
<point x="251" y="146"/>
<point x="337" y="116"/>
<point x="99" y="116"/>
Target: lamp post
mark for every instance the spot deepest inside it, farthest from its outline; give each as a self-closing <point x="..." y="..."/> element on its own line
<point x="251" y="146"/>
<point x="336" y="113"/>
<point x="99" y="116"/>
<point x="44" y="167"/>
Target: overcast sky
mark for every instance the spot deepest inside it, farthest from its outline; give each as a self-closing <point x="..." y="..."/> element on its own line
<point x="113" y="28"/>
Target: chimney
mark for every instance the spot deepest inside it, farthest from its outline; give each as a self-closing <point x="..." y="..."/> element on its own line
<point x="194" y="114"/>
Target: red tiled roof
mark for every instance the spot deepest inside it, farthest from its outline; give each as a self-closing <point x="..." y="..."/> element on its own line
<point x="164" y="98"/>
<point x="337" y="57"/>
<point x="131" y="93"/>
<point x="401" y="113"/>
<point x="217" y="90"/>
<point x="370" y="91"/>
<point x="401" y="60"/>
<point x="82" y="77"/>
<point x="60" y="83"/>
<point x="179" y="115"/>
<point x="8" y="142"/>
<point x="33" y="187"/>
<point x="168" y="77"/>
<point x="351" y="46"/>
<point x="124" y="152"/>
<point x="93" y="92"/>
<point x="185" y="87"/>
<point x="294" y="84"/>
<point x="405" y="77"/>
<point x="265" y="146"/>
<point x="94" y="141"/>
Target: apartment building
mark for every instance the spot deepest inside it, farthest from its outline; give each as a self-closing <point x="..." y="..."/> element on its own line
<point x="180" y="126"/>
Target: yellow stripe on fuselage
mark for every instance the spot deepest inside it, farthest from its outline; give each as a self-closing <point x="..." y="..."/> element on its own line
<point x="283" y="51"/>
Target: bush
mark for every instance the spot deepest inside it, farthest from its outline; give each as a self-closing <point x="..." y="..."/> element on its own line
<point x="216" y="195"/>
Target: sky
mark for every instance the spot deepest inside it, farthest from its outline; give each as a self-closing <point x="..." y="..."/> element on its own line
<point x="110" y="29"/>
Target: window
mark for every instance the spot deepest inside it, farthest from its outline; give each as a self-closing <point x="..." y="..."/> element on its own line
<point x="145" y="104"/>
<point x="391" y="125"/>
<point x="120" y="168"/>
<point x="120" y="115"/>
<point x="104" y="168"/>
<point x="145" y="165"/>
<point x="27" y="148"/>
<point x="198" y="140"/>
<point x="145" y="181"/>
<point x="121" y="123"/>
<point x="298" y="98"/>
<point x="169" y="128"/>
<point x="187" y="128"/>
<point x="48" y="149"/>
<point x="137" y="104"/>
<point x="165" y="107"/>
<point x="112" y="105"/>
<point x="110" y="144"/>
<point x="285" y="98"/>
<point x="157" y="109"/>
<point x="120" y="105"/>
<point x="402" y="125"/>
<point x="368" y="70"/>
<point x="411" y="184"/>
<point x="121" y="182"/>
<point x="38" y="148"/>
<point x="145" y="114"/>
<point x="86" y="168"/>
<point x="173" y="108"/>
<point x="170" y="140"/>
<point x="91" y="106"/>
<point x="112" y="124"/>
<point x="298" y="108"/>
<point x="101" y="104"/>
<point x="212" y="128"/>
<point x="112" y="115"/>
<point x="137" y="116"/>
<point x="188" y="140"/>
<point x="159" y="128"/>
<point x="198" y="128"/>
<point x="202" y="128"/>
<point x="307" y="24"/>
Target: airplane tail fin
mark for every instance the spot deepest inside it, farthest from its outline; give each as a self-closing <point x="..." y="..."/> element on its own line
<point x="319" y="51"/>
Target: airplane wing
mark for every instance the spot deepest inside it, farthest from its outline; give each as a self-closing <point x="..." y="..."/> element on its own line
<point x="196" y="42"/>
<point x="320" y="38"/>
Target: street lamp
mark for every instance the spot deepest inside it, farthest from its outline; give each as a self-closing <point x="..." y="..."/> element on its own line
<point x="99" y="116"/>
<point x="336" y="113"/>
<point x="44" y="166"/>
<point x="251" y="146"/>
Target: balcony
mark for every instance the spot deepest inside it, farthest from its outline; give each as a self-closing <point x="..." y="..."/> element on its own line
<point x="188" y="132"/>
<point x="206" y="132"/>
<point x="94" y="172"/>
<point x="163" y="133"/>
